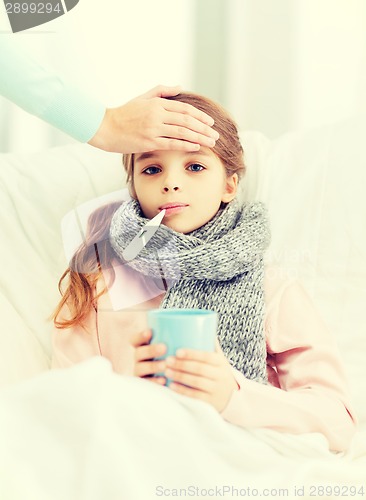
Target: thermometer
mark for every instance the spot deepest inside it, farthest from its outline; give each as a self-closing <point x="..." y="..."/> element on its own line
<point x="143" y="237"/>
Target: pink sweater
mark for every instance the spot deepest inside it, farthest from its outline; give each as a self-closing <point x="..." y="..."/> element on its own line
<point x="308" y="389"/>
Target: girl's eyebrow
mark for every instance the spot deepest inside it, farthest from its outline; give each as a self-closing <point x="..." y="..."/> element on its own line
<point x="145" y="156"/>
<point x="152" y="154"/>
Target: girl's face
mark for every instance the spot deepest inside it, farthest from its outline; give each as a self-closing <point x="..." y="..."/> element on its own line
<point x="196" y="181"/>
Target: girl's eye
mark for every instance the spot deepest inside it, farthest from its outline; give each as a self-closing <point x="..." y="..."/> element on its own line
<point x="196" y="167"/>
<point x="151" y="170"/>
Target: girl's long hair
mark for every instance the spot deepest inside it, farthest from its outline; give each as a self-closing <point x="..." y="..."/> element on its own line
<point x="93" y="255"/>
<point x="96" y="252"/>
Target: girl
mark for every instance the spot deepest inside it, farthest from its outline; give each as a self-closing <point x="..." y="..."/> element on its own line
<point x="275" y="365"/>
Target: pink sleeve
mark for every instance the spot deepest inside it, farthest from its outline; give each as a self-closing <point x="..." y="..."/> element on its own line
<point x="308" y="390"/>
<point x="105" y="332"/>
<point x="75" y="344"/>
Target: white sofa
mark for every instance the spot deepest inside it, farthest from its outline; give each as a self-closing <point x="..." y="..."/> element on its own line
<point x="312" y="181"/>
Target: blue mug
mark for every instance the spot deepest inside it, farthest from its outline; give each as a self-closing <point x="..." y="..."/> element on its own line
<point x="183" y="328"/>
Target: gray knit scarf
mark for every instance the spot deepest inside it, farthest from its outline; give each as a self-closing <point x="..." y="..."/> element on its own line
<point x="218" y="266"/>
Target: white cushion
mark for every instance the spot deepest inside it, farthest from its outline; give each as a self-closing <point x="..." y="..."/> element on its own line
<point x="36" y="192"/>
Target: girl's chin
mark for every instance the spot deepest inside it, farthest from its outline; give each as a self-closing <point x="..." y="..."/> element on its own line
<point x="180" y="228"/>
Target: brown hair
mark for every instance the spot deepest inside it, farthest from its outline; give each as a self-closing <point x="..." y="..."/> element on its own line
<point x="85" y="268"/>
<point x="96" y="252"/>
<point x="228" y="147"/>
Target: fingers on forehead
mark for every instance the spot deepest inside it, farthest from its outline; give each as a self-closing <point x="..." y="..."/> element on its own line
<point x="183" y="107"/>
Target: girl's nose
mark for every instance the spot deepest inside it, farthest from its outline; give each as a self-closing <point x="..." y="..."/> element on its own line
<point x="171" y="182"/>
<point x="169" y="188"/>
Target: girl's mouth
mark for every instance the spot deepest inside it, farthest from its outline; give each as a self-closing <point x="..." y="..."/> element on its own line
<point x="174" y="210"/>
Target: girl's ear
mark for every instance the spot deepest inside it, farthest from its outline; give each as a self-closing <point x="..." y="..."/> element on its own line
<point x="231" y="188"/>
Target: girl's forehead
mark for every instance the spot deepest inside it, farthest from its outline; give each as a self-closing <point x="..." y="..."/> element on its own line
<point x="203" y="152"/>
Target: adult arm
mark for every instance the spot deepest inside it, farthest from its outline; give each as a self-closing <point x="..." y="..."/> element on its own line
<point x="146" y="123"/>
<point x="45" y="94"/>
<point x="310" y="392"/>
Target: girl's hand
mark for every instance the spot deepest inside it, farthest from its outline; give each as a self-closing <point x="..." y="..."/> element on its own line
<point x="145" y="365"/>
<point x="208" y="375"/>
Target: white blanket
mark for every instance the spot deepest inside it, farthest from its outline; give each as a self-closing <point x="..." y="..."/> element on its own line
<point x="86" y="433"/>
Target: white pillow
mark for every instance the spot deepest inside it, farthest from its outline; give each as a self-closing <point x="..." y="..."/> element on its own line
<point x="36" y="192"/>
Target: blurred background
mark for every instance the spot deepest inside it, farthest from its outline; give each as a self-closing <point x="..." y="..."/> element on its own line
<point x="276" y="65"/>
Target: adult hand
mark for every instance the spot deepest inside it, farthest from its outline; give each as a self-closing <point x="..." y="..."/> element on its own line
<point x="208" y="376"/>
<point x="150" y="122"/>
<point x="145" y="366"/>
